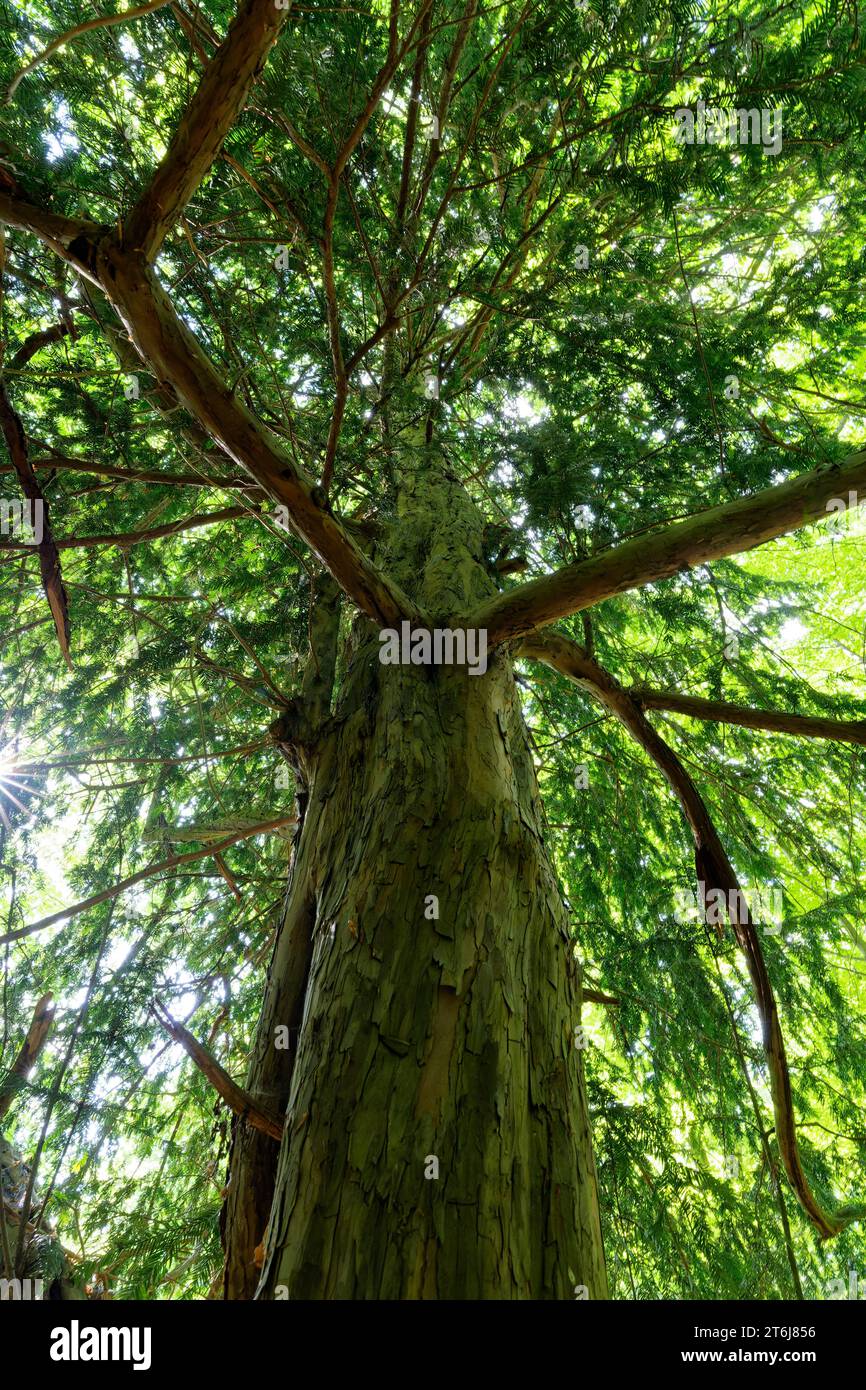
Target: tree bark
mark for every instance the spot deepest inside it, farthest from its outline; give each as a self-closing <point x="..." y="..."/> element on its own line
<point x="425" y="1043"/>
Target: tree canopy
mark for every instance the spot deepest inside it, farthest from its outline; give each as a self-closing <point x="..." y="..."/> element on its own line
<point x="239" y="277"/>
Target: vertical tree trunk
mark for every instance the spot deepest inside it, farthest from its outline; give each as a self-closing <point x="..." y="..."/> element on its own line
<point x="437" y="1143"/>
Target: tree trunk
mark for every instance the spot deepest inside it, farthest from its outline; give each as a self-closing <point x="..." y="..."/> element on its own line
<point x="437" y="1142"/>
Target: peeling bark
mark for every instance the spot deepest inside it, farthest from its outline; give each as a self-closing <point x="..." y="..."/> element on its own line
<point x="422" y="1035"/>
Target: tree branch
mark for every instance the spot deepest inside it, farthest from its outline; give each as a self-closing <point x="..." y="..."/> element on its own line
<point x="37" y="1036"/>
<point x="774" y="721"/>
<point x="715" y="871"/>
<point x="173" y="863"/>
<point x="178" y="834"/>
<point x="64" y="463"/>
<point x="234" y="1096"/>
<point x="166" y="343"/>
<point x="102" y="22"/>
<point x="59" y="232"/>
<point x="127" y="538"/>
<point x="36" y="341"/>
<point x="708" y="535"/>
<point x="597" y="996"/>
<point x="218" y="101"/>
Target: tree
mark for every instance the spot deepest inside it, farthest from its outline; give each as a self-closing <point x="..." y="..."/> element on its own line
<point x="483" y="321"/>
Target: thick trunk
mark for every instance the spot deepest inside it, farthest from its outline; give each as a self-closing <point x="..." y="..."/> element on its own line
<point x="437" y="1142"/>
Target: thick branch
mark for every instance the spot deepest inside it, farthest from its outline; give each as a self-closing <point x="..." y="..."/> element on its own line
<point x="597" y="996"/>
<point x="234" y="1096"/>
<point x="708" y="535"/>
<point x="160" y="395"/>
<point x="179" y="834"/>
<point x="36" y="342"/>
<point x="204" y="125"/>
<point x="165" y="342"/>
<point x="777" y="722"/>
<point x="714" y="869"/>
<point x="58" y="232"/>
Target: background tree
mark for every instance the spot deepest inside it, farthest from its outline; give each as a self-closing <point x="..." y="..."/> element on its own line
<point x="433" y="303"/>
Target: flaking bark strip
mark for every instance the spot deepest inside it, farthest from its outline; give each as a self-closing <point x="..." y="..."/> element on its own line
<point x="433" y="1086"/>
